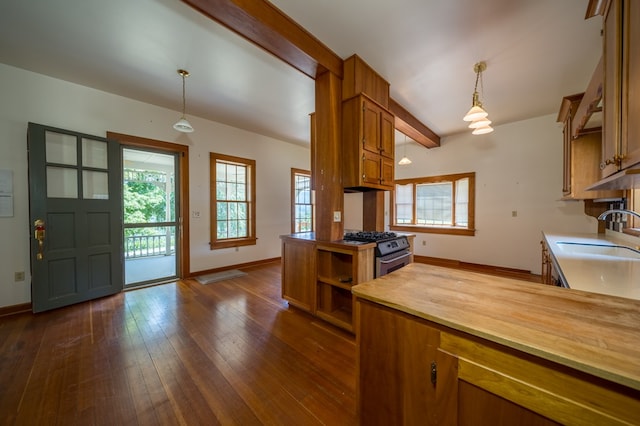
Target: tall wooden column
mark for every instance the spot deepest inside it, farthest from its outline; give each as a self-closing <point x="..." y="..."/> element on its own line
<point x="327" y="164"/>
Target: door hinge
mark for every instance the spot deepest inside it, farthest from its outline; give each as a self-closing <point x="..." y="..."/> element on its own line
<point x="434" y="373"/>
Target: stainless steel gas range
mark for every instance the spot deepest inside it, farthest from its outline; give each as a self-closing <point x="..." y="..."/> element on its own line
<point x="392" y="251"/>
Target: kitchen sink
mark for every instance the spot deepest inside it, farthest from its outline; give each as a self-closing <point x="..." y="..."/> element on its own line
<point x="598" y="250"/>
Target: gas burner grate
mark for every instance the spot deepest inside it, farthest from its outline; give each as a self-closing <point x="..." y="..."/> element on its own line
<point x="369" y="236"/>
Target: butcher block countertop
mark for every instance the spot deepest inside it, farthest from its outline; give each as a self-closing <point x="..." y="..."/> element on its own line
<point x="589" y="332"/>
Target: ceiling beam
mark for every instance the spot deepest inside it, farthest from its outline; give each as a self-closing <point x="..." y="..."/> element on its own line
<point x="266" y="26"/>
<point x="406" y="123"/>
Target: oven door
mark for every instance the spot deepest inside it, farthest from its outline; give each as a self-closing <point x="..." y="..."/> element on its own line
<point x="391" y="262"/>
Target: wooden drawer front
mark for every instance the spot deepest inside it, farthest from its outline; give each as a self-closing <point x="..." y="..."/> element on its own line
<point x="563" y="395"/>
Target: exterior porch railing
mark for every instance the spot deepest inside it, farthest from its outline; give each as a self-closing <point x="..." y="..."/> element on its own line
<point x="149" y="245"/>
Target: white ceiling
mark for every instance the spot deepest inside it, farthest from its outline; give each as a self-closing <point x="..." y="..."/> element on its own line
<point x="536" y="52"/>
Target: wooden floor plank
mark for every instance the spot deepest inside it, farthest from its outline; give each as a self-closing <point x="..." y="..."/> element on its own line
<point x="231" y="352"/>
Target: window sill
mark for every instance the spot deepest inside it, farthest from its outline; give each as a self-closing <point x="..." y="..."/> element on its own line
<point x="216" y="245"/>
<point x="434" y="230"/>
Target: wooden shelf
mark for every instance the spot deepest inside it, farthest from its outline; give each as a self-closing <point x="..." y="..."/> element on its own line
<point x="336" y="283"/>
<point x="340" y="317"/>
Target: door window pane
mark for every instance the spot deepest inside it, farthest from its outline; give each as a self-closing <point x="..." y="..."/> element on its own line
<point x="95" y="185"/>
<point x="61" y="148"/>
<point x="94" y="154"/>
<point x="62" y="182"/>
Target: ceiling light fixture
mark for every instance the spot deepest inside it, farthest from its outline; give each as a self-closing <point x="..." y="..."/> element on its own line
<point x="183" y="125"/>
<point x="477" y="115"/>
<point x="405" y="160"/>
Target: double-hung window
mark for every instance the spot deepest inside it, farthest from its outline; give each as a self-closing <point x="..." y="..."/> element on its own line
<point x="302" y="216"/>
<point x="436" y="204"/>
<point x="233" y="205"/>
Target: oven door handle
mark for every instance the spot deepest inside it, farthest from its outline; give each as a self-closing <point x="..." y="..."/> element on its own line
<point x="395" y="259"/>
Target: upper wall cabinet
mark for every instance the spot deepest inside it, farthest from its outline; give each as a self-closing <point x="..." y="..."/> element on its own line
<point x="581" y="152"/>
<point x="621" y="49"/>
<point x="367" y="145"/>
<point x="631" y="84"/>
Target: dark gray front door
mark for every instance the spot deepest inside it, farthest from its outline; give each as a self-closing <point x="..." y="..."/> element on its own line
<point x="75" y="198"/>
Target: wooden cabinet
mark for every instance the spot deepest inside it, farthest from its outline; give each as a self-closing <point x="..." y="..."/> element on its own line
<point x="621" y="49"/>
<point x="360" y="78"/>
<point x="394" y="383"/>
<point x="367" y="144"/>
<point x="547" y="265"/>
<point x="317" y="276"/>
<point x="581" y="154"/>
<point x="413" y="371"/>
<point x="339" y="268"/>
<point x="631" y="84"/>
<point x="299" y="273"/>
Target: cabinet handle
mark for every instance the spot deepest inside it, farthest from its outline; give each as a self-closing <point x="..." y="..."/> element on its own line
<point x="616" y="159"/>
<point x="434" y="373"/>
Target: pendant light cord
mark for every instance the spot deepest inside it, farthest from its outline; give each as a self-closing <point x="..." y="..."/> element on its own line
<point x="184" y="99"/>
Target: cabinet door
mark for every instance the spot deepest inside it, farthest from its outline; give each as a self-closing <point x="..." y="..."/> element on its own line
<point x="500" y="386"/>
<point x="370" y="127"/>
<point x="371" y="168"/>
<point x="395" y="353"/>
<point x="299" y="274"/>
<point x="386" y="172"/>
<point x="566" y="155"/>
<point x="631" y="82"/>
<point x="387" y="134"/>
<point x="612" y="38"/>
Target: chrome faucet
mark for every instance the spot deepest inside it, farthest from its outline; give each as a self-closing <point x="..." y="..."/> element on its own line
<point x="622" y="211"/>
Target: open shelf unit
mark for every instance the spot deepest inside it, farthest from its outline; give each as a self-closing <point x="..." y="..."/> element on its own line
<point x="339" y="268"/>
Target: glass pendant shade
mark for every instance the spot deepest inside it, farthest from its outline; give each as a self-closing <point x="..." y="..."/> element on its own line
<point x="481" y="122"/>
<point x="475" y="113"/>
<point x="404" y="161"/>
<point x="482" y="130"/>
<point x="183" y="126"/>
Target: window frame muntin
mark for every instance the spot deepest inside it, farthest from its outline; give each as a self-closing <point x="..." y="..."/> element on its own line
<point x="451" y="230"/>
<point x="251" y="239"/>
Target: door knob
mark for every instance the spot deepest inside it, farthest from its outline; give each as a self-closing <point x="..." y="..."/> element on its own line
<point x="39" y="234"/>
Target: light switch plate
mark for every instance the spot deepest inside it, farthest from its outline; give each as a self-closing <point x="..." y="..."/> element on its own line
<point x="337" y="216"/>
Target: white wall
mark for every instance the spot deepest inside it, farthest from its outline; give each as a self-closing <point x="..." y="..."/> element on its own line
<point x="32" y="97"/>
<point x="518" y="168"/>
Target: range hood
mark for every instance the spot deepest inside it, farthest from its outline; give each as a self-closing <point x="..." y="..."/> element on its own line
<point x="624" y="179"/>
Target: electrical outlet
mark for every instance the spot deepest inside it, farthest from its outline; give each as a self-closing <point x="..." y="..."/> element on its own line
<point x="514" y="213"/>
<point x="424" y="242"/>
<point x="19" y="276"/>
<point x="195" y="214"/>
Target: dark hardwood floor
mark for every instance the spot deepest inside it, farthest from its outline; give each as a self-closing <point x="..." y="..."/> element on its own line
<point x="230" y="352"/>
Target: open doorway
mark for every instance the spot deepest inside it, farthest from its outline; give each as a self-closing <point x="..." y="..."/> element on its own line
<point x="156" y="223"/>
<point x="150" y="199"/>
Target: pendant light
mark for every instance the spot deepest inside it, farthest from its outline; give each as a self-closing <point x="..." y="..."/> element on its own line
<point x="477" y="115"/>
<point x="183" y="125"/>
<point x="405" y="160"/>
